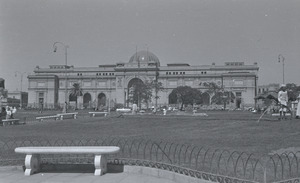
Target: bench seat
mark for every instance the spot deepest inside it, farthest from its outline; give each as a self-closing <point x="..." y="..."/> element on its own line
<point x="6" y="122"/>
<point x="41" y="118"/>
<point x="73" y="115"/>
<point x="93" y="114"/>
<point x="32" y="159"/>
<point x="123" y="110"/>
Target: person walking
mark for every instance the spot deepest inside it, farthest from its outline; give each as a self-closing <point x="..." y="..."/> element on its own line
<point x="283" y="100"/>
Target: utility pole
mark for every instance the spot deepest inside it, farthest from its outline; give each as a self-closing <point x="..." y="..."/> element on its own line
<point x="66" y="65"/>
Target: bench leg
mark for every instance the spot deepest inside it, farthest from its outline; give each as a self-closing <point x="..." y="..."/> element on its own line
<point x="100" y="165"/>
<point x="75" y="116"/>
<point x="32" y="164"/>
<point x="61" y="117"/>
<point x="94" y="114"/>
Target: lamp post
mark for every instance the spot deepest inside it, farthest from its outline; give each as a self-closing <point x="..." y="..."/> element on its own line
<point x="66" y="64"/>
<point x="21" y="75"/>
<point x="281" y="59"/>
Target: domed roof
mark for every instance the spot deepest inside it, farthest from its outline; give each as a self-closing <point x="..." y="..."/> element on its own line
<point x="143" y="56"/>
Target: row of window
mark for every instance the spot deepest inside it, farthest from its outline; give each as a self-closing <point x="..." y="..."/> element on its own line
<point x="262" y="90"/>
<point x="105" y="74"/>
<point x="99" y="74"/>
<point x="174" y="73"/>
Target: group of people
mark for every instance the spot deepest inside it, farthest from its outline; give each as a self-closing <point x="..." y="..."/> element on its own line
<point x="8" y="112"/>
<point x="283" y="102"/>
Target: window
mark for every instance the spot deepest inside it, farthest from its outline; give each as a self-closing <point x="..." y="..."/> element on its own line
<point x="238" y="82"/>
<point x="238" y="94"/>
<point x="102" y="84"/>
<point x="172" y="83"/>
<point x="41" y="84"/>
<point x="41" y="95"/>
<point x="87" y="84"/>
<point x="188" y="83"/>
<point x="167" y="73"/>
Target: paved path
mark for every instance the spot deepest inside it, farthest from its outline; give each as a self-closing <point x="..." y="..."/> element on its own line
<point x="16" y="175"/>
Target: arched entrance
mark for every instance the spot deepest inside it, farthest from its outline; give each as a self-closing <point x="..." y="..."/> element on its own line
<point x="172" y="98"/>
<point x="205" y="98"/>
<point x="87" y="100"/>
<point x="101" y="101"/>
<point x="135" y="92"/>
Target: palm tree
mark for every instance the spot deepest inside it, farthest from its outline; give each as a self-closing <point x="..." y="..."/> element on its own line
<point x="76" y="91"/>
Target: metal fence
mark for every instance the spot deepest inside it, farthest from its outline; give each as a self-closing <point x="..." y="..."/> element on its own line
<point x="209" y="164"/>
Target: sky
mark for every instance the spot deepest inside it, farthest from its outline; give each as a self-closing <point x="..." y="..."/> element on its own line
<point x="198" y="32"/>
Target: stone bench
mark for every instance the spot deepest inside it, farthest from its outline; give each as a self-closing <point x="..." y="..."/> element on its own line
<point x="123" y="110"/>
<point x="32" y="159"/>
<point x="278" y="114"/>
<point x="6" y="122"/>
<point x="93" y="114"/>
<point x="73" y="115"/>
<point x="41" y="118"/>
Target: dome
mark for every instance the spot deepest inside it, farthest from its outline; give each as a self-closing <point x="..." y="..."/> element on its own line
<point x="143" y="56"/>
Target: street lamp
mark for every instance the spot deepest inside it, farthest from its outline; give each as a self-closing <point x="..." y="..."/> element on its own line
<point x="21" y="74"/>
<point x="281" y="59"/>
<point x="66" y="64"/>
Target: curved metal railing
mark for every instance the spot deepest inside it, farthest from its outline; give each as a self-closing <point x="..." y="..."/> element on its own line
<point x="209" y="164"/>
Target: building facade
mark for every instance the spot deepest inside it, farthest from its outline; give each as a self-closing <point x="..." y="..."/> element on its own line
<point x="107" y="85"/>
<point x="18" y="98"/>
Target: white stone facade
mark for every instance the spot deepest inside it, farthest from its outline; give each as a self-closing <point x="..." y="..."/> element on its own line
<point x="107" y="85"/>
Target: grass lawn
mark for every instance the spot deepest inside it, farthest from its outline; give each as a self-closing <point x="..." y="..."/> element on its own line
<point x="233" y="130"/>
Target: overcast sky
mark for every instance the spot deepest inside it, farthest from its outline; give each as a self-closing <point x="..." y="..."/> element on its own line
<point x="198" y="32"/>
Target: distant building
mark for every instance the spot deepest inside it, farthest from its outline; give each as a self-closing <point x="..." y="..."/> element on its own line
<point x="17" y="98"/>
<point x="268" y="88"/>
<point x="107" y="85"/>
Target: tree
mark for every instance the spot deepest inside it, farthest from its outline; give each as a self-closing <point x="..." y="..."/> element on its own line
<point x="212" y="88"/>
<point x="141" y="92"/>
<point x="223" y="97"/>
<point x="220" y="95"/>
<point x="75" y="92"/>
<point x="186" y="95"/>
<point x="293" y="91"/>
<point x="156" y="86"/>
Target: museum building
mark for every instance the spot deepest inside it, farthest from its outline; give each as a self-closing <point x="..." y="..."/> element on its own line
<point x="108" y="85"/>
